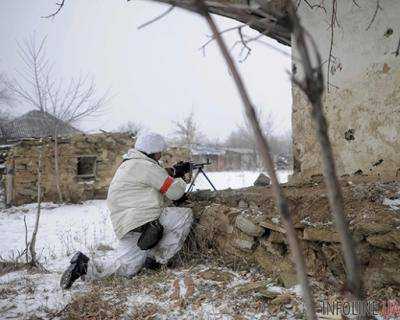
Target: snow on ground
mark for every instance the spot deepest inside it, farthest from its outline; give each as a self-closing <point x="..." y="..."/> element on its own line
<point x="87" y="227"/>
<point x="234" y="179"/>
<point x="63" y="230"/>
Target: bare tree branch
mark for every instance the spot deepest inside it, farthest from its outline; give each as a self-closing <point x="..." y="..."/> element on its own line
<point x="187" y="131"/>
<point x="377" y="8"/>
<point x="60" y="5"/>
<point x="313" y="6"/>
<point x="313" y="87"/>
<point x="397" y="52"/>
<point x="6" y="97"/>
<point x="131" y="127"/>
<point x="256" y="18"/>
<point x="245" y="40"/>
<point x="265" y="152"/>
<point x="333" y="23"/>
<point x="32" y="244"/>
<point x="157" y="18"/>
<point x="212" y="37"/>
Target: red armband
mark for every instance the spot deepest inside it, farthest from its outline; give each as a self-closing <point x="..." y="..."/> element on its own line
<point x="167" y="183"/>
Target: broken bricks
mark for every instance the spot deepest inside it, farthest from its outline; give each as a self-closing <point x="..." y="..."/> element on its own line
<point x="247" y="226"/>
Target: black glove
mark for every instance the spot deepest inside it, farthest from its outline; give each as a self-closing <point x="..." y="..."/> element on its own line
<point x="181" y="168"/>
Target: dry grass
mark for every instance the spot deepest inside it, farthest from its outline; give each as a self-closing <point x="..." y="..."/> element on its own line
<point x="146" y="311"/>
<point x="93" y="305"/>
<point x="107" y="298"/>
<point x="11" y="266"/>
<point x="7" y="292"/>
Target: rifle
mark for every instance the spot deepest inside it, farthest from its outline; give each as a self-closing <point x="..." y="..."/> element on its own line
<point x="183" y="167"/>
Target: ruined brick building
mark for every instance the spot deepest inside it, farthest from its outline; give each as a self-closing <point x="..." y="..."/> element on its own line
<point x="87" y="164"/>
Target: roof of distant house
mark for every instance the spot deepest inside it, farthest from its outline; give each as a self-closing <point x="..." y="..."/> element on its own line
<point x="240" y="150"/>
<point x="36" y="124"/>
<point x="205" y="150"/>
<point x="212" y="150"/>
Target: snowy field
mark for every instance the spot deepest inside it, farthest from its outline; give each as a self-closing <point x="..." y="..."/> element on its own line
<point x="234" y="179"/>
<point x="85" y="227"/>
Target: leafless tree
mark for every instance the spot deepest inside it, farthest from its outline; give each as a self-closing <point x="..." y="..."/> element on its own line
<point x="4" y="119"/>
<point x="6" y="104"/>
<point x="242" y="136"/>
<point x="29" y="252"/>
<point x="61" y="103"/>
<point x="5" y="94"/>
<point x="187" y="131"/>
<point x="131" y="127"/>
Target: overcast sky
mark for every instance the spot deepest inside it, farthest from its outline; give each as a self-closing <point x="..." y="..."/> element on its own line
<point x="156" y="74"/>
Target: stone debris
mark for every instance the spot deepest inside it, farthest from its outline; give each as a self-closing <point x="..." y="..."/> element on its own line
<point x="216" y="275"/>
<point x="248" y="227"/>
<point x="245" y="245"/>
<point x="275" y="220"/>
<point x="259" y="287"/>
<point x="254" y="235"/>
<point x="390" y="240"/>
<point x="262" y="181"/>
<point x="272" y="226"/>
<point x="276" y="237"/>
<point x="320" y="234"/>
<point x="277" y="266"/>
<point x="393" y="204"/>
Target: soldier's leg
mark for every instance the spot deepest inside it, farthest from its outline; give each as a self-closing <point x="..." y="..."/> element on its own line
<point x="176" y="223"/>
<point x="129" y="260"/>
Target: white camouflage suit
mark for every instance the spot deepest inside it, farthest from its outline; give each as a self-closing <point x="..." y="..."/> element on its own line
<point x="135" y="197"/>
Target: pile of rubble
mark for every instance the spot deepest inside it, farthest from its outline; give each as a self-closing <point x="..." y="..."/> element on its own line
<point x="244" y="227"/>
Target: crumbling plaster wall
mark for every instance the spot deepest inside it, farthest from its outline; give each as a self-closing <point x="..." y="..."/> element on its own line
<point x="363" y="102"/>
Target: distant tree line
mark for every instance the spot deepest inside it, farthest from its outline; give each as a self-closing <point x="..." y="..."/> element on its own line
<point x="187" y="132"/>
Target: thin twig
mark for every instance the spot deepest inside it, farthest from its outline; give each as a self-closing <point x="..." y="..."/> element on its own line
<point x="313" y="87"/>
<point x="378" y="7"/>
<point x="397" y="52"/>
<point x="313" y="6"/>
<point x="245" y="46"/>
<point x="268" y="162"/>
<point x="245" y="40"/>
<point x="332" y="28"/>
<point x="60" y="6"/>
<point x="26" y="241"/>
<point x="257" y="19"/>
<point x="212" y="37"/>
<point x="159" y="17"/>
<point x="32" y="246"/>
